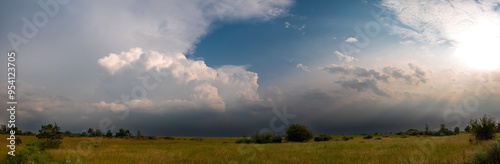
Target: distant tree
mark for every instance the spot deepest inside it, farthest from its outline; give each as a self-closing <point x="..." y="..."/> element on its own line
<point x="122" y="133"/>
<point x="91" y="132"/>
<point x="427" y="129"/>
<point x="109" y="134"/>
<point x="467" y="129"/>
<point x="67" y="133"/>
<point x="51" y="136"/>
<point x="28" y="133"/>
<point x="98" y="133"/>
<point x="84" y="134"/>
<point x="457" y="130"/>
<point x="139" y="135"/>
<point x="483" y="128"/>
<point x="3" y="129"/>
<point x="298" y="133"/>
<point x="412" y="130"/>
<point x="445" y="131"/>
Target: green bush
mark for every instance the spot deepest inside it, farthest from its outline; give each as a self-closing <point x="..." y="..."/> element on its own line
<point x="298" y="133"/>
<point x="483" y="128"/>
<point x="490" y="154"/>
<point x="31" y="153"/>
<point x="168" y="138"/>
<point x="368" y="137"/>
<point x="50" y="135"/>
<point x="323" y="137"/>
<point x="277" y="139"/>
<point x="262" y="137"/>
<point x="457" y="130"/>
<point x="244" y="140"/>
<point x="467" y="129"/>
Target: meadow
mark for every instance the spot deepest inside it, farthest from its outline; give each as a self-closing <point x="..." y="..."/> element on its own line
<point x="381" y="149"/>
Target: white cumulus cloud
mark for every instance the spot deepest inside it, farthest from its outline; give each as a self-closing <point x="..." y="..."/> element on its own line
<point x="351" y="40"/>
<point x="303" y="67"/>
<point x="345" y="58"/>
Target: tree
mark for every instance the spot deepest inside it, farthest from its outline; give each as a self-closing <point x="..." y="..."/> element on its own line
<point x="91" y="132"/>
<point x="3" y="129"/>
<point x="98" y="133"/>
<point x="298" y="133"/>
<point x="84" y="134"/>
<point x="457" y="130"/>
<point x="467" y="129"/>
<point x="67" y="133"/>
<point x="139" y="135"/>
<point x="128" y="134"/>
<point x="483" y="128"/>
<point x="51" y="136"/>
<point x="109" y="134"/>
<point x="445" y="131"/>
<point x="122" y="133"/>
<point x="426" y="129"/>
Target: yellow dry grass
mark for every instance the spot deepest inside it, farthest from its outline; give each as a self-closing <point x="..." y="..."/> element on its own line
<point x="391" y="149"/>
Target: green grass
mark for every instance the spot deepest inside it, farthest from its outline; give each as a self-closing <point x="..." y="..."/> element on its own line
<point x="391" y="149"/>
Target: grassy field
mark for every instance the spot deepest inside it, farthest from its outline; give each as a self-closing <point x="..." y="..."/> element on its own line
<point x="386" y="149"/>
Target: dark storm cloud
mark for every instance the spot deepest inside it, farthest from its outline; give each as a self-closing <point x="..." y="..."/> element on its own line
<point x="362" y="85"/>
<point x="362" y="79"/>
<point x="356" y="71"/>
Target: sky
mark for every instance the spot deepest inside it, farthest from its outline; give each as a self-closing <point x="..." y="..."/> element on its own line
<point x="235" y="67"/>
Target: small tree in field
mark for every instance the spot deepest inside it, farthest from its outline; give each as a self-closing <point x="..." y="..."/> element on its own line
<point x="427" y="129"/>
<point x="109" y="134"/>
<point x="467" y="129"/>
<point x="51" y="136"/>
<point x="483" y="128"/>
<point x="457" y="130"/>
<point x="298" y="133"/>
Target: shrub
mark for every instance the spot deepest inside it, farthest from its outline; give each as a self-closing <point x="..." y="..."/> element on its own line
<point x="345" y="138"/>
<point x="262" y="137"/>
<point x="18" y="141"/>
<point x="483" y="128"/>
<point x="244" y="140"/>
<point x="109" y="134"/>
<point x="368" y="137"/>
<point x="323" y="137"/>
<point x="489" y="155"/>
<point x="196" y="139"/>
<point x="31" y="153"/>
<point x="149" y="137"/>
<point x="168" y="138"/>
<point x="467" y="129"/>
<point x="317" y="138"/>
<point x="277" y="139"/>
<point x="50" y="135"/>
<point x="457" y="130"/>
<point x="298" y="133"/>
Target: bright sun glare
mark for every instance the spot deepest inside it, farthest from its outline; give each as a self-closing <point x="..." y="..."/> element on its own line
<point x="479" y="46"/>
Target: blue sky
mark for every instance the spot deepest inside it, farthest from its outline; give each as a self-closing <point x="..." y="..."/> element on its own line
<point x="229" y="68"/>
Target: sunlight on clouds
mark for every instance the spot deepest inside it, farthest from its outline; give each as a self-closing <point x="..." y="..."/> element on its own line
<point x="191" y="83"/>
<point x="471" y="27"/>
<point x="114" y="62"/>
<point x="479" y="45"/>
